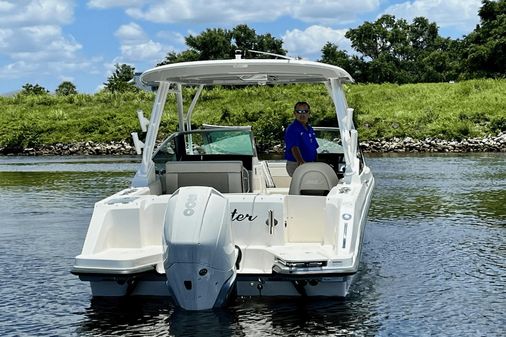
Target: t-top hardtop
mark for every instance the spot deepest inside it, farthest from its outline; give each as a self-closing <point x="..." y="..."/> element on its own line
<point x="245" y="72"/>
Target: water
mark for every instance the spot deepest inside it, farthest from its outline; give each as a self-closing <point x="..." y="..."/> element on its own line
<point x="433" y="260"/>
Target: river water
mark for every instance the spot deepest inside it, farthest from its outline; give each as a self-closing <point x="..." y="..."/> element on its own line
<point x="433" y="264"/>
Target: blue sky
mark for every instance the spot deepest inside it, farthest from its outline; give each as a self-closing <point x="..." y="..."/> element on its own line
<point x="46" y="42"/>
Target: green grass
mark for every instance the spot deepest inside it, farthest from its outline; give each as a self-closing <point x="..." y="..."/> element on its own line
<point x="460" y="110"/>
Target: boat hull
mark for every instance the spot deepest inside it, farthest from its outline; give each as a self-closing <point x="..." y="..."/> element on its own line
<point x="154" y="284"/>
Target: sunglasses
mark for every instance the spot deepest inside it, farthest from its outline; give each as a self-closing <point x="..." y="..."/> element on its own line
<point x="302" y="112"/>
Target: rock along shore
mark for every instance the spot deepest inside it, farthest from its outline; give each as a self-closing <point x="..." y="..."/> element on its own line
<point x="486" y="144"/>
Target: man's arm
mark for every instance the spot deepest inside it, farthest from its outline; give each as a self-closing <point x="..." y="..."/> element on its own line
<point x="296" y="153"/>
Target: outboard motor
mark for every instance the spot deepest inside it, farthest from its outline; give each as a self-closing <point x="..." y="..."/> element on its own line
<point x="198" y="252"/>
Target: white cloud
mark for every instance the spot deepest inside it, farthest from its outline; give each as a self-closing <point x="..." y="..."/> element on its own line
<point x="32" y="38"/>
<point x="5" y="36"/>
<point x="35" y="12"/>
<point x="204" y="11"/>
<point x="309" y="42"/>
<point x="102" y="4"/>
<point x="30" y="30"/>
<point x="17" y="69"/>
<point x="240" y="11"/>
<point x="33" y="72"/>
<point x="327" y="12"/>
<point x="37" y="43"/>
<point x="173" y="37"/>
<point x="131" y="33"/>
<point x="460" y="14"/>
<point x="6" y="6"/>
<point x="136" y="46"/>
<point x="172" y="41"/>
<point x="148" y="50"/>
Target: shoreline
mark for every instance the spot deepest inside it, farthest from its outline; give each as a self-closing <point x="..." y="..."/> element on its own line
<point x="486" y="144"/>
<point x="409" y="145"/>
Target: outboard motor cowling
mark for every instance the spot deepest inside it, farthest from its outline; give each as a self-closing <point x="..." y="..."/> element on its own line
<point x="198" y="251"/>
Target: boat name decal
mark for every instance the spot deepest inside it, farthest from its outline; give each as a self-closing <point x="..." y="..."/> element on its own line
<point x="190" y="205"/>
<point x="236" y="216"/>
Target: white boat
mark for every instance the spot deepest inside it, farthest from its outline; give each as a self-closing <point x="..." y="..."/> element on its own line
<point x="205" y="220"/>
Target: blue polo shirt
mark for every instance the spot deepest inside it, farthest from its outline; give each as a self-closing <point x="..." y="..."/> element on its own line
<point x="297" y="135"/>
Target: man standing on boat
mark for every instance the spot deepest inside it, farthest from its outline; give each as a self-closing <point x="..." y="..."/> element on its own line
<point x="300" y="139"/>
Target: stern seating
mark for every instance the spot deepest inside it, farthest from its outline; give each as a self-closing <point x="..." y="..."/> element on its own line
<point x="224" y="176"/>
<point x="313" y="179"/>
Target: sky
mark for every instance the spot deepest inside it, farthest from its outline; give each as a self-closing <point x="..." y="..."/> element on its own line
<point x="47" y="42"/>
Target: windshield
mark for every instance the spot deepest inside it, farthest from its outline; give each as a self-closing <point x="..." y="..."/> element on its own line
<point x="329" y="140"/>
<point x="218" y="141"/>
<point x="213" y="144"/>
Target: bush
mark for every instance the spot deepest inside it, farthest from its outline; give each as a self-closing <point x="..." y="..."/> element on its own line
<point x="120" y="80"/>
<point x="498" y="124"/>
<point x="66" y="88"/>
<point x="269" y="130"/>
<point x="30" y="89"/>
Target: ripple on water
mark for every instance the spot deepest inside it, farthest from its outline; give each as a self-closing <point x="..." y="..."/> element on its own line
<point x="432" y="264"/>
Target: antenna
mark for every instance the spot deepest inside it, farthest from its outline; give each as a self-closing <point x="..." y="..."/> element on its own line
<point x="271" y="54"/>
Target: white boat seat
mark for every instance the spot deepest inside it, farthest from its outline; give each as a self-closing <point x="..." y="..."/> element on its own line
<point x="313" y="179"/>
<point x="224" y="176"/>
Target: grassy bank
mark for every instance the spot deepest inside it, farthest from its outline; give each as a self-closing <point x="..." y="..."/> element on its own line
<point x="442" y="110"/>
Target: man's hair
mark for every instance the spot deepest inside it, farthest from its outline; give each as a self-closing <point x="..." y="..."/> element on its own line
<point x="301" y="103"/>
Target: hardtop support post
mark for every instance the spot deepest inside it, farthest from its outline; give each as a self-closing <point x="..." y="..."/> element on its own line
<point x="192" y="106"/>
<point x="179" y="104"/>
<point x="346" y="128"/>
<point x="146" y="172"/>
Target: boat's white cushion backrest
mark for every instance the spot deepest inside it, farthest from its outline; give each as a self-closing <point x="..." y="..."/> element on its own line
<point x="313" y="179"/>
<point x="224" y="176"/>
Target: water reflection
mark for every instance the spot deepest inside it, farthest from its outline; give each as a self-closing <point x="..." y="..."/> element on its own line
<point x="220" y="322"/>
<point x="245" y="317"/>
<point x="490" y="204"/>
<point x="69" y="164"/>
<point x="440" y="186"/>
<point x="306" y="317"/>
<point x="126" y="316"/>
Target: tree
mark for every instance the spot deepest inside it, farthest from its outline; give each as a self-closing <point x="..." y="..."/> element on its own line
<point x="332" y="55"/>
<point x="270" y="44"/>
<point x="185" y="56"/>
<point x="442" y="64"/>
<point x="354" y="65"/>
<point x="120" y="80"/>
<point x="213" y="44"/>
<point x="66" y="88"/>
<point x="484" y="51"/>
<point x="245" y="38"/>
<point x="397" y="51"/>
<point x="30" y="89"/>
<point x="219" y="44"/>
